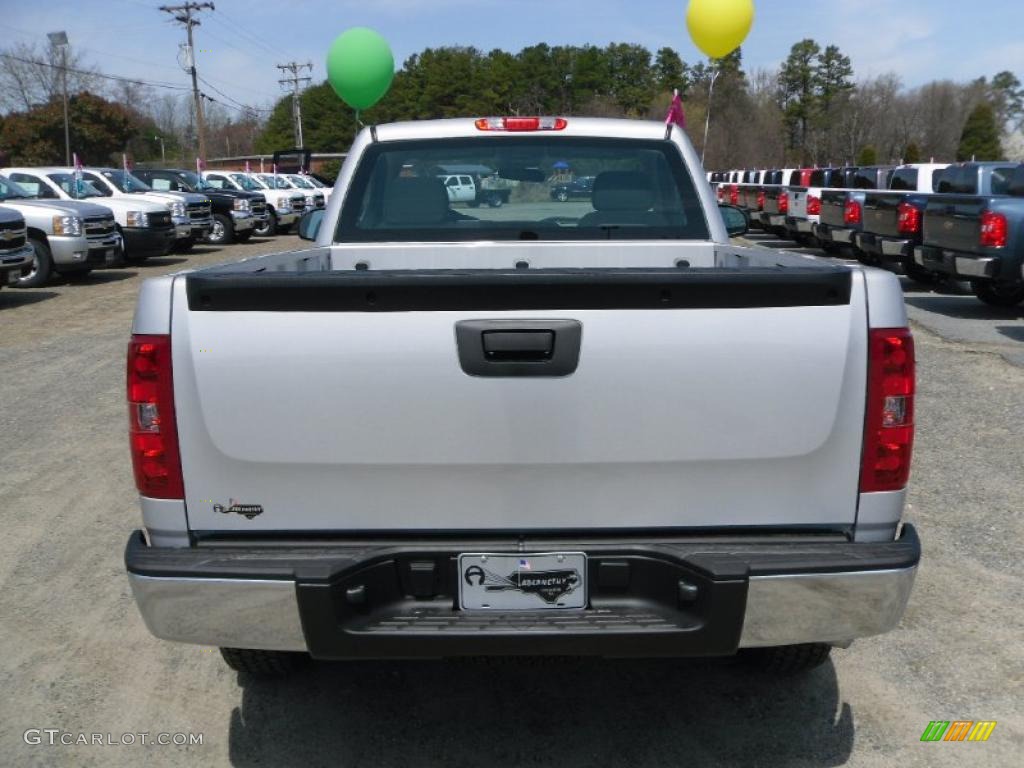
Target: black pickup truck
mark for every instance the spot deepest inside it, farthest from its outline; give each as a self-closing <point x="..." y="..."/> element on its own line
<point x="978" y="237"/>
<point x="842" y="210"/>
<point x="235" y="213"/>
<point x="893" y="219"/>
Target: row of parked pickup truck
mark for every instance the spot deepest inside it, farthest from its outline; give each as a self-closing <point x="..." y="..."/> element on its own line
<point x="68" y="222"/>
<point x="962" y="221"/>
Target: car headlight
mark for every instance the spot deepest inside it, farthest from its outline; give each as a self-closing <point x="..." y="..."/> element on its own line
<point x="138" y="219"/>
<point x="241" y="204"/>
<point x="67" y="225"/>
<point x="177" y="209"/>
<point x="284" y="205"/>
<point x="311" y="201"/>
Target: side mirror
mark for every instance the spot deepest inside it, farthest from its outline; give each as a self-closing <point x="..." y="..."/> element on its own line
<point x="737" y="222"/>
<point x="309" y="224"/>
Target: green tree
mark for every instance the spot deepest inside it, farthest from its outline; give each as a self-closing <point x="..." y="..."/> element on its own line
<point x="798" y="81"/>
<point x="867" y="156"/>
<point x="669" y="71"/>
<point x="99" y="129"/>
<point x="833" y="77"/>
<point x="632" y="81"/>
<point x="1008" y="99"/>
<point x="980" y="137"/>
<point x="912" y="154"/>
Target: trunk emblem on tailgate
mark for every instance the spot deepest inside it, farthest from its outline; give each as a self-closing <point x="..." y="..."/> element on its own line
<point x="248" y="510"/>
<point x="548" y="585"/>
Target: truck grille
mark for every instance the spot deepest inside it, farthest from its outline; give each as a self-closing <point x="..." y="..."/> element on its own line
<point x="11" y="239"/>
<point x="160" y="220"/>
<point x="99" y="227"/>
<point x="12" y="235"/>
<point x="258" y="207"/>
<point x="319" y="201"/>
<point x="298" y="204"/>
<point x="198" y="211"/>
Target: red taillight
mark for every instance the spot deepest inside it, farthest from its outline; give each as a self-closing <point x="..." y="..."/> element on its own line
<point x="851" y="213"/>
<point x="909" y="221"/>
<point x="994" y="230"/>
<point x="783" y="202"/>
<point x="813" y="205"/>
<point x="521" y="124"/>
<point x="734" y="195"/>
<point x="889" y="417"/>
<point x="760" y="200"/>
<point x="152" y="431"/>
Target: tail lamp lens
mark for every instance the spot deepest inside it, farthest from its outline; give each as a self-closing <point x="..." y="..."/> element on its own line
<point x="813" y="205"/>
<point x="760" y="200"/>
<point x="909" y="221"/>
<point x="734" y="195"/>
<point x="783" y="202"/>
<point x="852" y="212"/>
<point x="994" y="230"/>
<point x="152" y="432"/>
<point x="889" y="418"/>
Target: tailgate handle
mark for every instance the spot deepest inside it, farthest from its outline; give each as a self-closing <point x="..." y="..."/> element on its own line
<point x="504" y="348"/>
<point x="519" y="346"/>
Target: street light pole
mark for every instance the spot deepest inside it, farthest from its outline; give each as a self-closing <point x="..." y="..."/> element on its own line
<point x="60" y="40"/>
<point x="163" y="153"/>
<point x="707" y="121"/>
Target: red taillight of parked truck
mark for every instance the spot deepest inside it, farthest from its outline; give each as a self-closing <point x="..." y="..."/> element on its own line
<point x="813" y="205"/>
<point x="889" y="417"/>
<point x="760" y="200"/>
<point x="909" y="219"/>
<point x="994" y="230"/>
<point x="852" y="212"/>
<point x="783" y="202"/>
<point x="734" y="195"/>
<point x="152" y="431"/>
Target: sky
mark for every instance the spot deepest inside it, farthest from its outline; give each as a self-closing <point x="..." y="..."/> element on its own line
<point x="239" y="43"/>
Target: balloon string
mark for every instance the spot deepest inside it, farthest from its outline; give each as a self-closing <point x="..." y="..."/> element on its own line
<point x="358" y="121"/>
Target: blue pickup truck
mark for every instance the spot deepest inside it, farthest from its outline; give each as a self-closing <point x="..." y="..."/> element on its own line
<point x="978" y="237"/>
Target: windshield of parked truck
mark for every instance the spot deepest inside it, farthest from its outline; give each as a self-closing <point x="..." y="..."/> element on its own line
<point x="11" y="191"/>
<point x="245" y="182"/>
<point x="194" y="181"/>
<point x="300" y="182"/>
<point x="641" y="190"/>
<point x="125" y="181"/>
<point x="272" y="181"/>
<point x="79" y="189"/>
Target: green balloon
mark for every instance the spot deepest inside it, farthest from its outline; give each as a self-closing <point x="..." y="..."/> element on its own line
<point x="360" y="67"/>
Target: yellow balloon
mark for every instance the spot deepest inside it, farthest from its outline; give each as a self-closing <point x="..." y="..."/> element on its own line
<point x="719" y="27"/>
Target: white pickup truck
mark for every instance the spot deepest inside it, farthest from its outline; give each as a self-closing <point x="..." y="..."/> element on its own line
<point x="583" y="428"/>
<point x="285" y="204"/>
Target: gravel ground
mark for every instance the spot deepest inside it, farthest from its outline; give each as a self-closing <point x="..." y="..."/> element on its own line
<point x="75" y="656"/>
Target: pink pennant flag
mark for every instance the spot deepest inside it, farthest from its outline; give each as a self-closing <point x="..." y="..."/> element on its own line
<point x="248" y="167"/>
<point x="676" y="115"/>
<point x="200" y="165"/>
<point x="125" y="164"/>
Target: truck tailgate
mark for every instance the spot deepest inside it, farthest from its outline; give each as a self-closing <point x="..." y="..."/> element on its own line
<point x="954" y="222"/>
<point x="881" y="213"/>
<point x="338" y="401"/>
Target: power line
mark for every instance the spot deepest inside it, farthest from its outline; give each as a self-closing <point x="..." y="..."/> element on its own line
<point x="230" y="23"/>
<point x="234" y="101"/>
<point x="183" y="14"/>
<point x="119" y="78"/>
<point x="295" y="81"/>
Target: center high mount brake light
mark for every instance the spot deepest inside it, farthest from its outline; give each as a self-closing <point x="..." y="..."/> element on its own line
<point x="521" y="124"/>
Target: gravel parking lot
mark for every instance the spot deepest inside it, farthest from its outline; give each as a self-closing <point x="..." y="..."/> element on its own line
<point x="74" y="655"/>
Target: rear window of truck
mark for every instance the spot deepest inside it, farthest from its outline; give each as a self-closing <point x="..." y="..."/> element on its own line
<point x="641" y="190"/>
<point x="904" y="179"/>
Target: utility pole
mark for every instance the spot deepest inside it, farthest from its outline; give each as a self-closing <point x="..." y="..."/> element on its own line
<point x="60" y="40"/>
<point x="183" y="14"/>
<point x="294" y="81"/>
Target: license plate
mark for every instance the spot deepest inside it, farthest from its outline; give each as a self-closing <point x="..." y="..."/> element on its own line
<point x="522" y="582"/>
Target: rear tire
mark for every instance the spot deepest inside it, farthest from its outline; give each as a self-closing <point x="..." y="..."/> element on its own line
<point x="999" y="295"/>
<point x="42" y="266"/>
<point x="265" y="664"/>
<point x="784" y="660"/>
<point x="562" y="197"/>
<point x="495" y="201"/>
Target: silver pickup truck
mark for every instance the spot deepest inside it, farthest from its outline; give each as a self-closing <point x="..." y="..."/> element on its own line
<point x="591" y="427"/>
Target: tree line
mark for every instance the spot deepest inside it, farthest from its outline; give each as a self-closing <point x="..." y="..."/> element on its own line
<point x="811" y="110"/>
